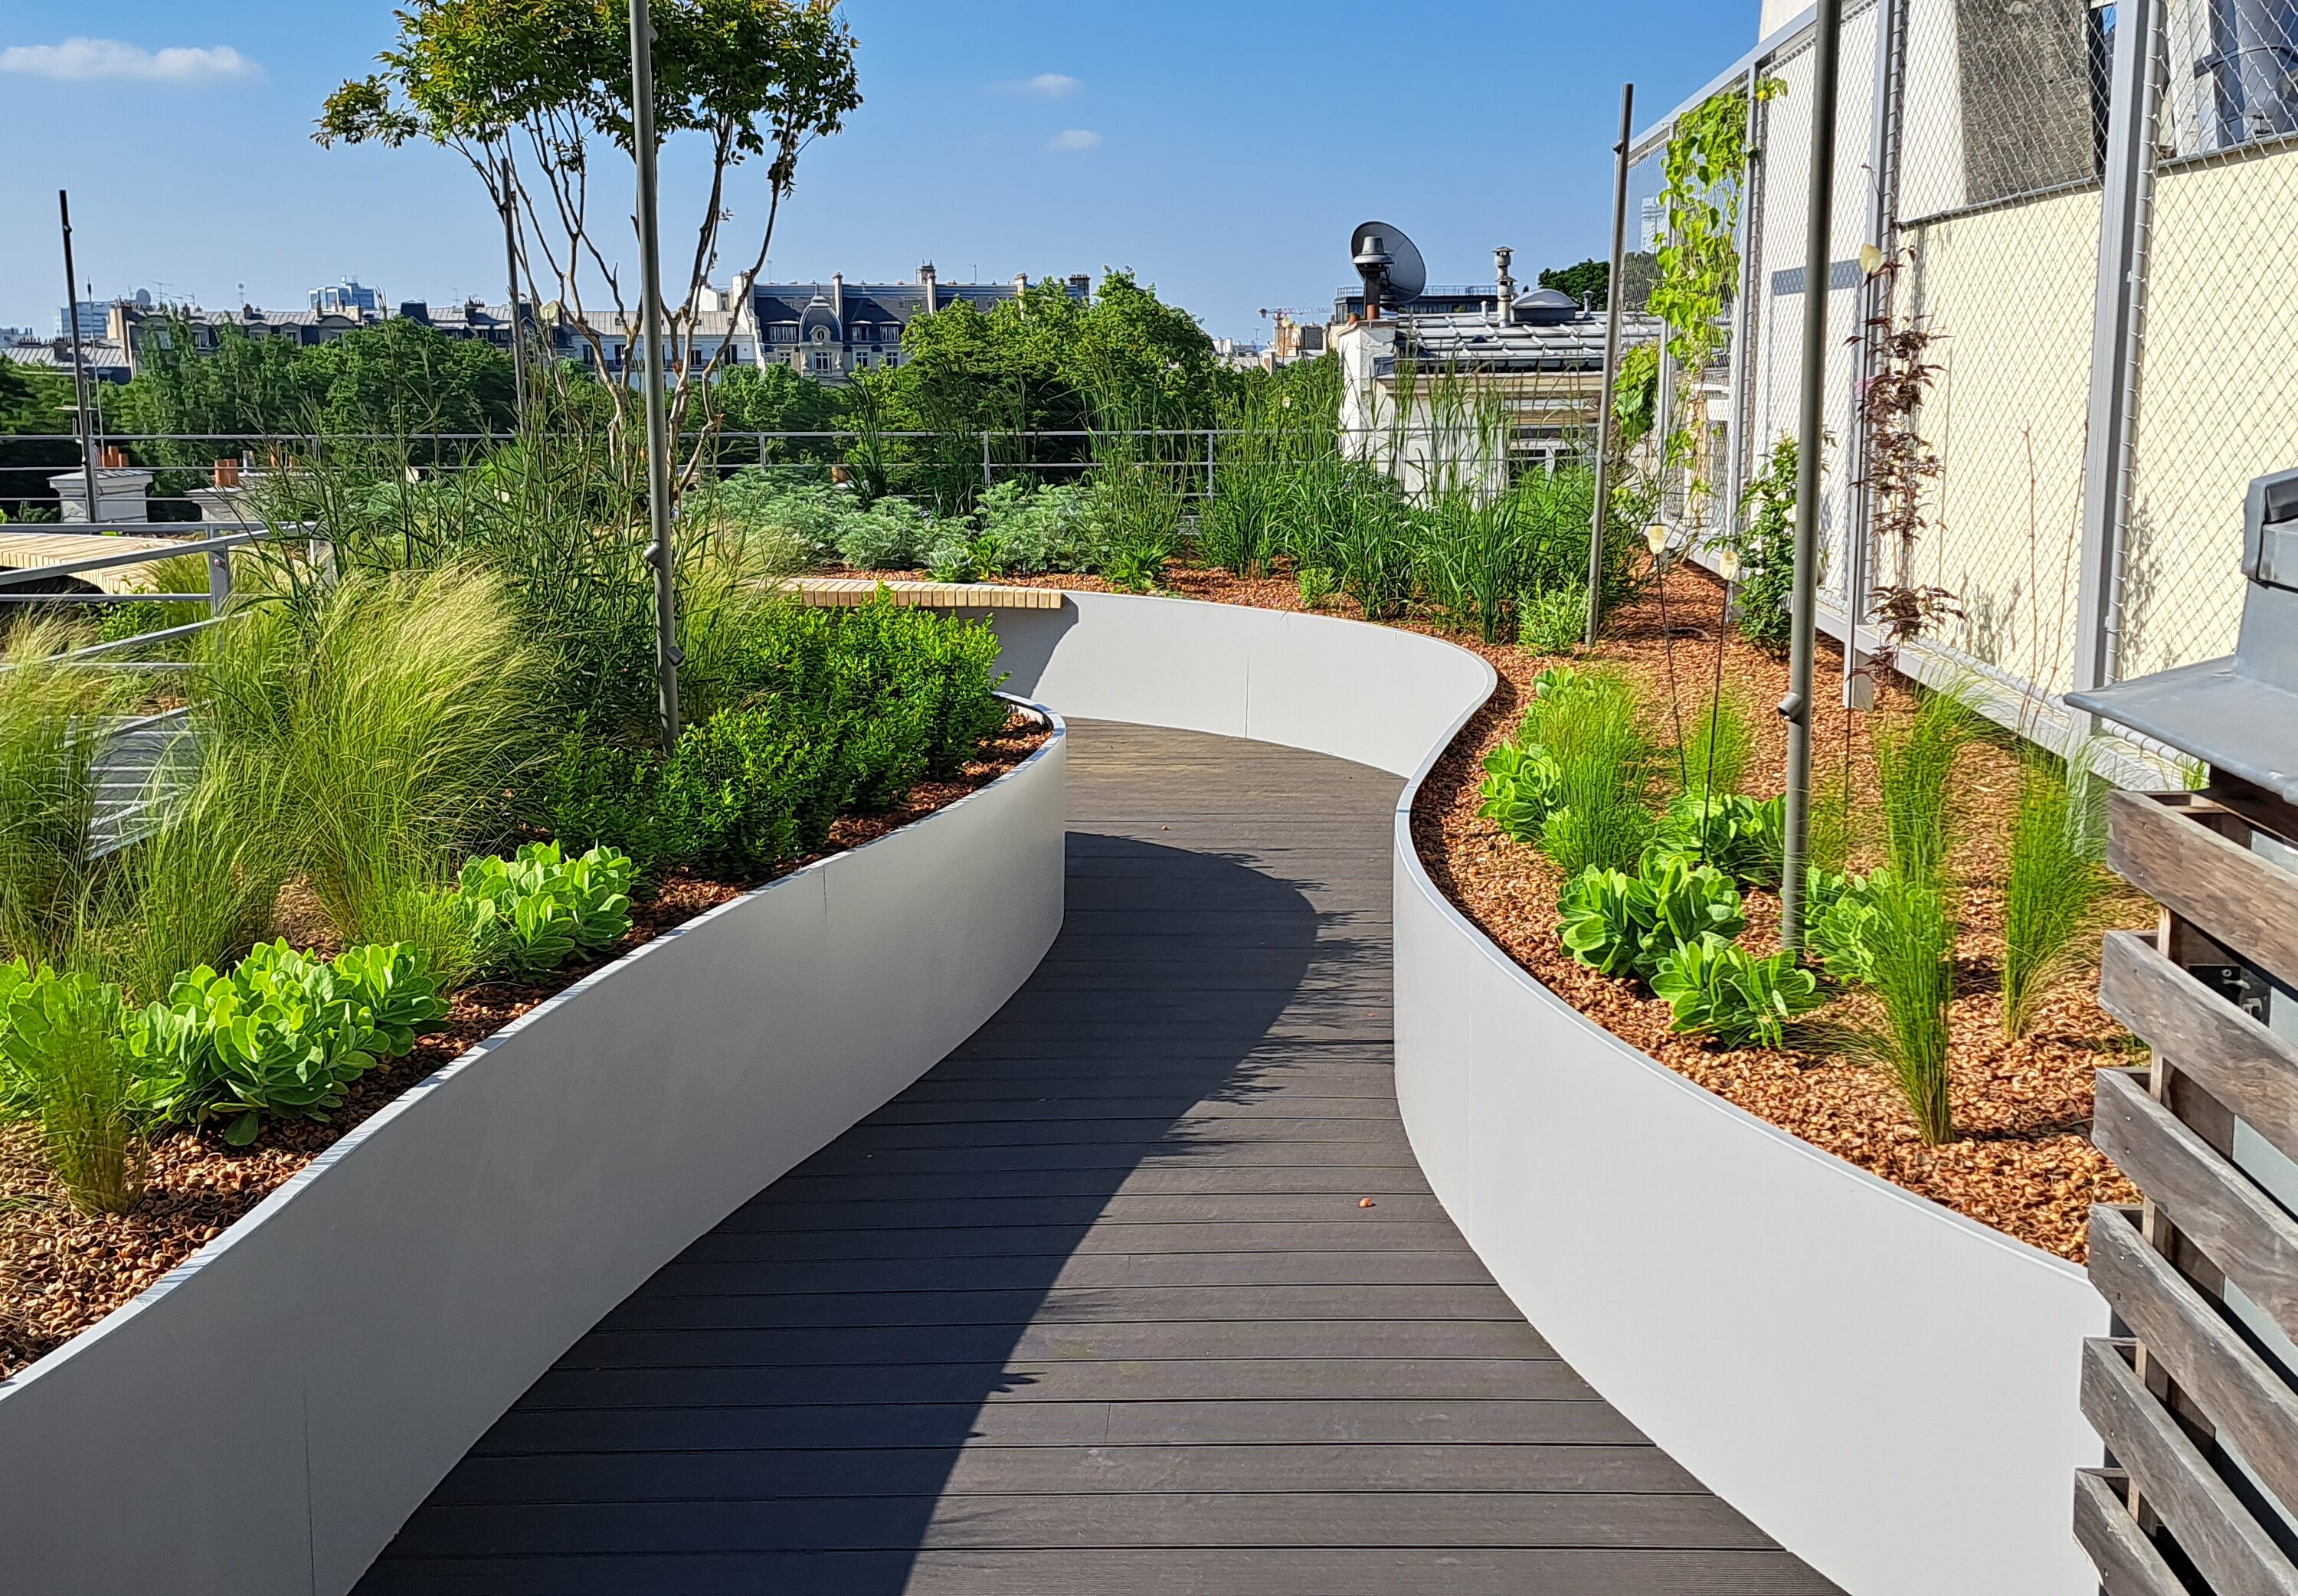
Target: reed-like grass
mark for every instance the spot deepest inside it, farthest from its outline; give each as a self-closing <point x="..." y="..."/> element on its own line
<point x="67" y="1066"/>
<point x="1910" y="947"/>
<point x="1605" y="764"/>
<point x="2052" y="895"/>
<point x="51" y="717"/>
<point x="385" y="720"/>
<point x="1719" y="748"/>
<point x="1914" y="771"/>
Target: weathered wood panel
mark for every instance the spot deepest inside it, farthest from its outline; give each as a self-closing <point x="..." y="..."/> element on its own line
<point x="2232" y="893"/>
<point x="2211" y="1527"/>
<point x="2128" y="1563"/>
<point x="2237" y="1227"/>
<point x="2242" y="1064"/>
<point x="2250" y="1404"/>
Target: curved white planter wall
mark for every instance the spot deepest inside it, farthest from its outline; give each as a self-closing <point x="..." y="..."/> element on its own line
<point x="1887" y="1388"/>
<point x="262" y="1420"/>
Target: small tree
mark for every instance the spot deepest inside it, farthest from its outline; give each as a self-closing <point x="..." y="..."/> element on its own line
<point x="527" y="92"/>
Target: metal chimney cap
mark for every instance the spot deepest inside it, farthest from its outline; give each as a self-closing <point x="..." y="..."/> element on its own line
<point x="2240" y="713"/>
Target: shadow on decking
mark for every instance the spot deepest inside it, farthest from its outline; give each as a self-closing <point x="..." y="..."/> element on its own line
<point x="803" y="1380"/>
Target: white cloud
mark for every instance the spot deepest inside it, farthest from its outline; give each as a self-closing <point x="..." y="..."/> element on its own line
<point x="1074" y="138"/>
<point x="1045" y="85"/>
<point x="82" y="60"/>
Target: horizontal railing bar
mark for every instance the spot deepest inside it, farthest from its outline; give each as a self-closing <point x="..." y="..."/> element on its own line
<point x="165" y="634"/>
<point x="101" y="598"/>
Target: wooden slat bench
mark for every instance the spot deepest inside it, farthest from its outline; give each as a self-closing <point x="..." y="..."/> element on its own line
<point x="847" y="592"/>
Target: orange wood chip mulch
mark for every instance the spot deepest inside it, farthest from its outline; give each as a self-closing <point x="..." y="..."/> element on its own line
<point x="61" y="1270"/>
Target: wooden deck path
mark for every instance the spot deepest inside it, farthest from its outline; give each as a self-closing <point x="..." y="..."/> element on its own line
<point x="1096" y="1305"/>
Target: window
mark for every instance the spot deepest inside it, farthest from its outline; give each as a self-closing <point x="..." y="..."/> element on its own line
<point x="782" y="332"/>
<point x="824" y="362"/>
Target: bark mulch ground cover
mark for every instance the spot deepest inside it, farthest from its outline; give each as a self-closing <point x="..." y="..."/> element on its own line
<point x="2024" y="1163"/>
<point x="61" y="1270"/>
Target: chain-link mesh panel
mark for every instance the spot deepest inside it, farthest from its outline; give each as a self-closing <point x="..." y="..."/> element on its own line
<point x="2217" y="388"/>
<point x="2002" y="124"/>
<point x="1778" y="239"/>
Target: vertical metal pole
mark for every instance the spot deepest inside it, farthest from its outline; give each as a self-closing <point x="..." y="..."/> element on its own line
<point x="1875" y="306"/>
<point x="511" y="272"/>
<point x="1209" y="462"/>
<point x="984" y="461"/>
<point x="1743" y="300"/>
<point x="219" y="582"/>
<point x="657" y="420"/>
<point x="2117" y="324"/>
<point x="79" y="366"/>
<point x="1811" y="438"/>
<point x="1615" y="291"/>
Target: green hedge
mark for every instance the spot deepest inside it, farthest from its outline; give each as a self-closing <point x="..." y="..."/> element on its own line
<point x="823" y="713"/>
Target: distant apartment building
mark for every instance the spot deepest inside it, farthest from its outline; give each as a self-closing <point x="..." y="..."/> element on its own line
<point x="828" y="330"/>
<point x="90" y="314"/>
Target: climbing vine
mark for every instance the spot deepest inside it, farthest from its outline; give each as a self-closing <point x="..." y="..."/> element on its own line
<point x="1898" y="463"/>
<point x="1702" y="171"/>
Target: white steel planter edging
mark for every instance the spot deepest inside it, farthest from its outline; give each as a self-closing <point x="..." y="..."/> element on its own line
<point x="263" y="1419"/>
<point x="1886" y="1388"/>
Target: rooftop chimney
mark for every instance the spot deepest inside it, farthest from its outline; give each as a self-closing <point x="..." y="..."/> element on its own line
<point x="837" y="299"/>
<point x="1502" y="258"/>
<point x="926" y="281"/>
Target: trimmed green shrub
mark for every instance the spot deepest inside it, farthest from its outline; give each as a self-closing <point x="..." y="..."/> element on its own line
<point x="1714" y="986"/>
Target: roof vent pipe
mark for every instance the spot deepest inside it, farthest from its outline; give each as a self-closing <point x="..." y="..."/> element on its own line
<point x="1503" y="301"/>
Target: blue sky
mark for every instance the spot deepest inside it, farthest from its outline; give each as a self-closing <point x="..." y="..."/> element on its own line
<point x="1222" y="149"/>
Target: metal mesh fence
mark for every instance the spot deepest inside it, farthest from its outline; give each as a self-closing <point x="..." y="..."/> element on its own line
<point x="2217" y="399"/>
<point x="1981" y="152"/>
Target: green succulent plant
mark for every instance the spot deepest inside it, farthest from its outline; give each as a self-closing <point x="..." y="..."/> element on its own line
<point x="1714" y="986"/>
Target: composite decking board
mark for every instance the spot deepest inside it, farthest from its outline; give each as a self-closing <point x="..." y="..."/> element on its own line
<point x="762" y="1475"/>
<point x="1294" y="1572"/>
<point x="1094" y="1305"/>
<point x="1559" y="1422"/>
<point x="1135" y="1380"/>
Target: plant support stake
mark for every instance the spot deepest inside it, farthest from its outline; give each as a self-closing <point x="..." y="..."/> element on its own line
<point x="1612" y="294"/>
<point x="1810" y="438"/>
<point x="657" y="421"/>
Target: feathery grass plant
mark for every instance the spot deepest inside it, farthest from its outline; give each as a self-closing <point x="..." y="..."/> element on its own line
<point x="65" y="1063"/>
<point x="385" y="720"/>
<point x="2052" y="895"/>
<point x="1915" y="768"/>
<point x="1909" y="942"/>
<point x="1605" y="766"/>
<point x="50" y="738"/>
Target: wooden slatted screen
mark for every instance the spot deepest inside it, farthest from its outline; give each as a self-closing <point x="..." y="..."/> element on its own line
<point x="2196" y="1400"/>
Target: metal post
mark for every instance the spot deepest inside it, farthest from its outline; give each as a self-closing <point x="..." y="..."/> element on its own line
<point x="1209" y="462"/>
<point x="510" y="271"/>
<point x="1810" y="437"/>
<point x="1615" y="291"/>
<point x="219" y="582"/>
<point x="984" y="461"/>
<point x="1875" y="306"/>
<point x="657" y="420"/>
<point x="79" y="366"/>
<point x="2134" y="83"/>
<point x="1735" y="467"/>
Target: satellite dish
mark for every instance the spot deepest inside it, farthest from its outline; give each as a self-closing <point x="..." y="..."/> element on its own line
<point x="1389" y="263"/>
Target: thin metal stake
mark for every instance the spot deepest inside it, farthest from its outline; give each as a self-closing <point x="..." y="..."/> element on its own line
<point x="1811" y="437"/>
<point x="1613" y="291"/>
<point x="657" y="420"/>
<point x="79" y="366"/>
